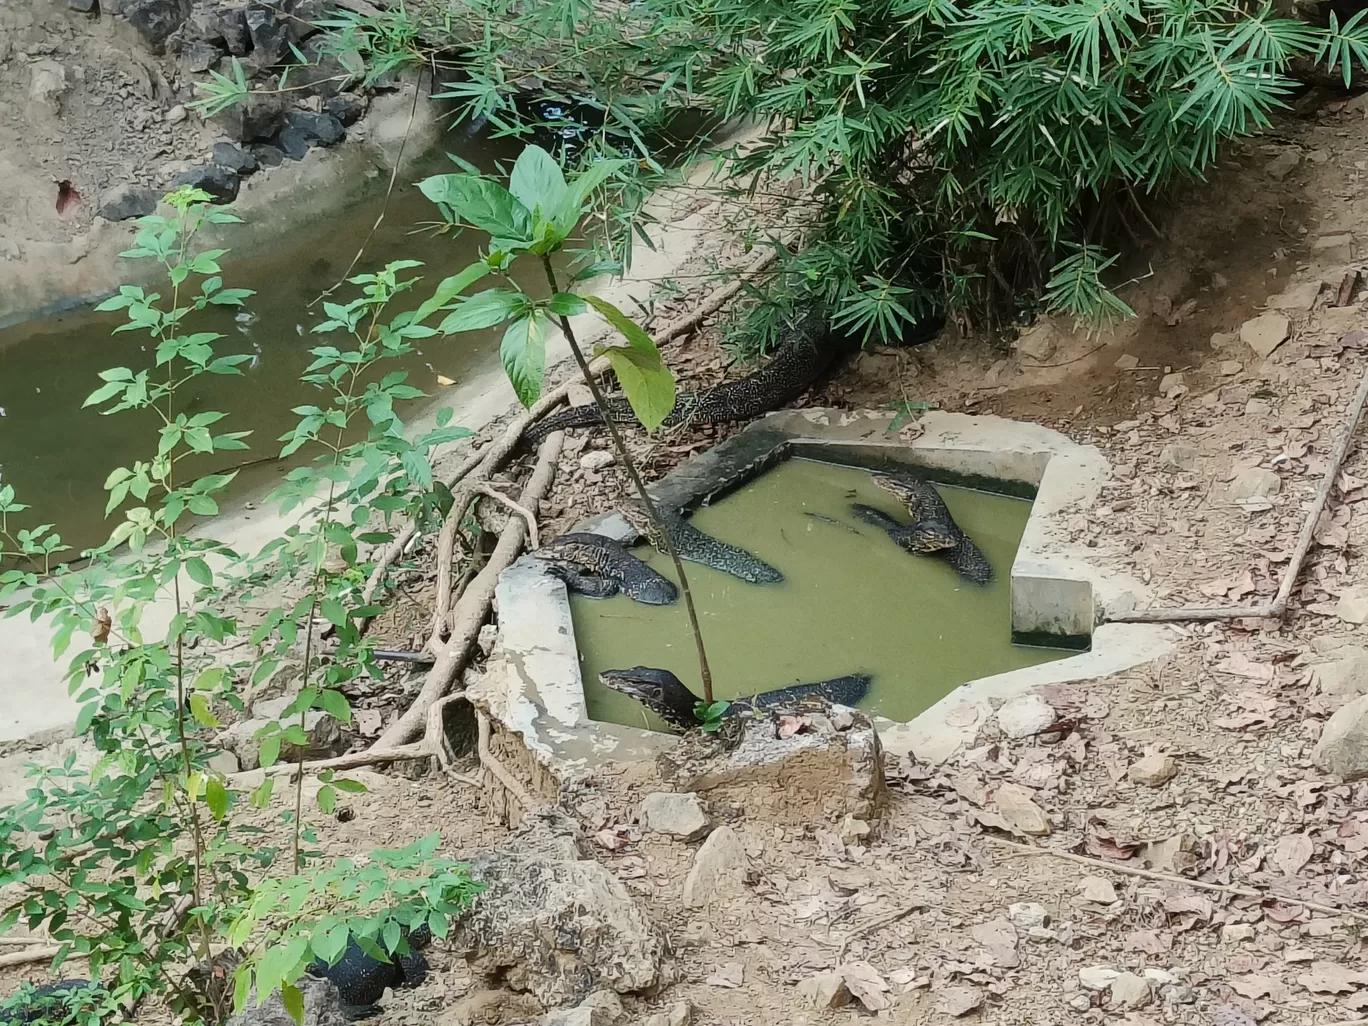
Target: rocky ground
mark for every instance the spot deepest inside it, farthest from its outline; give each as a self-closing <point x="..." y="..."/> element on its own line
<point x="98" y="121"/>
<point x="1173" y="844"/>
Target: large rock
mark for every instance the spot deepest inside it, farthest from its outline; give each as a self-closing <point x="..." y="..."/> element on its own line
<point x="1343" y="746"/>
<point x="1025" y="716"/>
<point x="259" y="118"/>
<point x="155" y="20"/>
<point x="47" y="84"/>
<point x="556" y="924"/>
<point x="304" y="130"/>
<point x="676" y="815"/>
<point x="718" y="871"/>
<point x="1344" y="673"/>
<point x="832" y="767"/>
<point x="234" y="158"/>
<point x="601" y="1008"/>
<point x="221" y="183"/>
<point x="200" y="57"/>
<point x="346" y="107"/>
<point x="322" y="1007"/>
<point x="123" y="202"/>
<point x="1265" y="333"/>
<point x="324" y="735"/>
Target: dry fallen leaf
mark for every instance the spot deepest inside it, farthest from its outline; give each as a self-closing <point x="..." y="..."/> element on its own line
<point x="445" y="381"/>
<point x="99" y="633"/>
<point x="1254" y="986"/>
<point x="957" y="1001"/>
<point x="1330" y="978"/>
<point x="865" y="985"/>
<point x="1000" y="938"/>
<point x="1151" y="942"/>
<point x="1292" y="853"/>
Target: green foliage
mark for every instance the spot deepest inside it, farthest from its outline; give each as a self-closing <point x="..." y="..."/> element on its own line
<point x="962" y="154"/>
<point x="139" y="862"/>
<point x="534" y="216"/>
<point x="709" y="715"/>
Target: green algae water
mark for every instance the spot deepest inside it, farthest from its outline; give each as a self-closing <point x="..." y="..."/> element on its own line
<point x="852" y="601"/>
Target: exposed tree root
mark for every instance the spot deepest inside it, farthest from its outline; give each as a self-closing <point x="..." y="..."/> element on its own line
<point x="473" y="607"/>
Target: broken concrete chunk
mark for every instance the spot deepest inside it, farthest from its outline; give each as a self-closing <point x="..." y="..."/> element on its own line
<point x="1025" y="716"/>
<point x="1154" y="770"/>
<point x="1265" y="333"/>
<point x="1097" y="889"/>
<point x="1352" y="606"/>
<point x="1343" y="746"/>
<point x="675" y="815"/>
<point x="824" y="991"/>
<point x="1295" y="297"/>
<point x="718" y="871"/>
<point x="601" y="1008"/>
<point x="1130" y="992"/>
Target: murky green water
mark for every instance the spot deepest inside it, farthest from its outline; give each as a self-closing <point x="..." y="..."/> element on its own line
<point x="852" y="602"/>
<point x="57" y="455"/>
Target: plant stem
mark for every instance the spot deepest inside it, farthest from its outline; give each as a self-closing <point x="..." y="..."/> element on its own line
<point x="703" y="670"/>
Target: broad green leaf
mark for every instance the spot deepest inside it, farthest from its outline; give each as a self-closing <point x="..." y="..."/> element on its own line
<point x="198" y="571"/>
<point x="270" y="751"/>
<point x="216" y="797"/>
<point x="523" y="352"/>
<point x="449" y="288"/>
<point x="334" y="611"/>
<point x="646" y="381"/>
<point x="484" y="204"/>
<point x="329" y="944"/>
<point x="566" y="304"/>
<point x="537" y="182"/>
<point x="293" y="1000"/>
<point x="327" y="799"/>
<point x="483" y="310"/>
<point x="335" y="704"/>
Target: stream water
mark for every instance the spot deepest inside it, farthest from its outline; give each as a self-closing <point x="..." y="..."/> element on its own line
<point x="852" y="601"/>
<point x="57" y="455"/>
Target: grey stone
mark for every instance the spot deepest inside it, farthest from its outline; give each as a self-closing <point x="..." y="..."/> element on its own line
<point x="601" y="1008"/>
<point x="718" y="871"/>
<point x="596" y="459"/>
<point x="1172" y="382"/>
<point x="220" y="183"/>
<point x="268" y="156"/>
<point x="1097" y="889"/>
<point x="679" y="1014"/>
<point x="1130" y="992"/>
<point x="200" y="57"/>
<point x="1153" y="770"/>
<point x="271" y="32"/>
<point x="176" y="114"/>
<point x="234" y="158"/>
<point x="322" y="1007"/>
<point x="259" y="118"/>
<point x="1342" y="750"/>
<point x="1254" y="483"/>
<point x="1284" y="162"/>
<point x="555" y="923"/>
<point x="323" y="733"/>
<point x="225" y="763"/>
<point x="304" y="130"/>
<point x="1265" y="333"/>
<point x="1237" y="933"/>
<point x="155" y="20"/>
<point x="1038" y="343"/>
<point x="1345" y="675"/>
<point x="47" y="84"/>
<point x="1025" y="716"/>
<point x="1352" y="606"/>
<point x="126" y="201"/>
<point x="83" y="6"/>
<point x="748" y="762"/>
<point x="675" y="815"/>
<point x="1296" y="297"/>
<point x="346" y="107"/>
<point x="824" y="991"/>
<point x="1097" y="977"/>
<point x="232" y="30"/>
